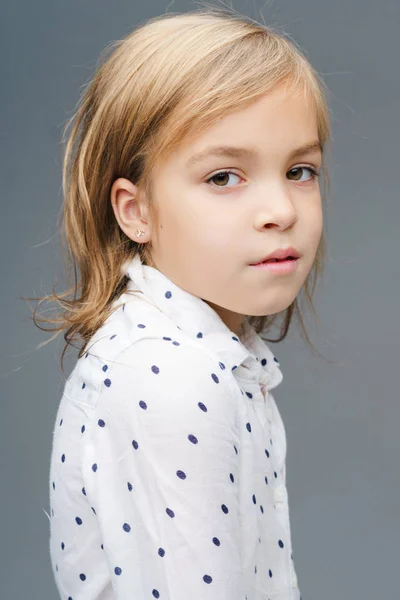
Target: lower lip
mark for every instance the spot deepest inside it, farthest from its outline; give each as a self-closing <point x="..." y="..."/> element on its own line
<point x="283" y="266"/>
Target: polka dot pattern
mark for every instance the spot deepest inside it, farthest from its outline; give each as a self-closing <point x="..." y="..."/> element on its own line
<point x="170" y="444"/>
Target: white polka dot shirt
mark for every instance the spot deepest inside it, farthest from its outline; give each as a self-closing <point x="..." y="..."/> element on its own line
<point x="167" y="474"/>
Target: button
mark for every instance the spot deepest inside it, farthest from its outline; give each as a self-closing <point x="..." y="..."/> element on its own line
<point x="294" y="579"/>
<point x="280" y="494"/>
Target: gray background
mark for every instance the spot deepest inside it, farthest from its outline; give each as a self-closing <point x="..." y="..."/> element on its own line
<point x="341" y="419"/>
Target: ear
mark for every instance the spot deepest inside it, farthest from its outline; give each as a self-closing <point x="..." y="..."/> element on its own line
<point x="129" y="209"/>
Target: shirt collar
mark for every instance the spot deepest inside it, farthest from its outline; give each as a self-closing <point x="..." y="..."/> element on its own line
<point x="248" y="357"/>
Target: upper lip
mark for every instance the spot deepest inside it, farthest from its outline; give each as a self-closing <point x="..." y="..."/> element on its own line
<point x="280" y="253"/>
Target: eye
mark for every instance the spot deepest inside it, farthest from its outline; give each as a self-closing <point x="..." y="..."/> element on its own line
<point x="295" y="171"/>
<point x="221" y="177"/>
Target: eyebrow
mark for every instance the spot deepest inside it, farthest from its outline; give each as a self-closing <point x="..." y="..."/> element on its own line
<point x="247" y="153"/>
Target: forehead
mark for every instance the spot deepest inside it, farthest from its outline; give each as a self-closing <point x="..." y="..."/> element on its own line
<point x="274" y="123"/>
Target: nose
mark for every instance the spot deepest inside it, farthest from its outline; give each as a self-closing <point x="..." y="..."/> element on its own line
<point x="277" y="207"/>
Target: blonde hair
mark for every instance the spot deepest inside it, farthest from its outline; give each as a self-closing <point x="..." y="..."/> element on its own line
<point x="167" y="81"/>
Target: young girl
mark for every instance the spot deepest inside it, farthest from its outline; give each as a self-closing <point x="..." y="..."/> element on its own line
<point x="194" y="156"/>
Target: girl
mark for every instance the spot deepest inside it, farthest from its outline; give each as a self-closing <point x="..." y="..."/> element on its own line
<point x="194" y="156"/>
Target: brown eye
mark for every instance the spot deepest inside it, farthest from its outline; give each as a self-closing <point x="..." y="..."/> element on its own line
<point x="299" y="171"/>
<point x="222" y="179"/>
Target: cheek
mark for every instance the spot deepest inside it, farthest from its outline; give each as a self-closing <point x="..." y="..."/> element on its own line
<point x="314" y="220"/>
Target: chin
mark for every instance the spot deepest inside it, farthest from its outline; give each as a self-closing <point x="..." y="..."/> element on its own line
<point x="270" y="310"/>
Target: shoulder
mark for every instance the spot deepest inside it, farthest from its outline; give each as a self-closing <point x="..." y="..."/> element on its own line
<point x="169" y="365"/>
<point x="160" y="385"/>
<point x="139" y="354"/>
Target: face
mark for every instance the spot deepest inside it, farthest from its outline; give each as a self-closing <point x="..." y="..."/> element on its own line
<point x="219" y="214"/>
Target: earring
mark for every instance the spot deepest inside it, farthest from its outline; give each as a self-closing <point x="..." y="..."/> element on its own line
<point x="140" y="232"/>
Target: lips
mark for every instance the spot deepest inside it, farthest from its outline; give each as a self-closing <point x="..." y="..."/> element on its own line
<point x="279" y="259"/>
<point x="280" y="254"/>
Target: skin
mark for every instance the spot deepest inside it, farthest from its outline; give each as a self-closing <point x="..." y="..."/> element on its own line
<point x="209" y="233"/>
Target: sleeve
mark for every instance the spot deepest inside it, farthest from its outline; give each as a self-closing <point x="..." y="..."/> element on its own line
<point x="161" y="471"/>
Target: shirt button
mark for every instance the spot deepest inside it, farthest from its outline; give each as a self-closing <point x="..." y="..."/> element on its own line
<point x="294" y="579"/>
<point x="280" y="495"/>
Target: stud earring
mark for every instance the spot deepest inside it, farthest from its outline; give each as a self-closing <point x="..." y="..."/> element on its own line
<point x="140" y="232"/>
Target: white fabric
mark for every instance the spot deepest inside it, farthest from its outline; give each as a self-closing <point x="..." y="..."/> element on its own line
<point x="167" y="476"/>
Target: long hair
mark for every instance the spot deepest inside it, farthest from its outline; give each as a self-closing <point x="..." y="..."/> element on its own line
<point x="164" y="83"/>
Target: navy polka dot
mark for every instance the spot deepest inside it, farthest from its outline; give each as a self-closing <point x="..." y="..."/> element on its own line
<point x="82" y="576"/>
<point x="62" y="545"/>
<point x="105" y="367"/>
<point x="117" y="570"/>
<point x="129" y="486"/>
<point x="78" y="520"/>
<point x="94" y="467"/>
<point x="280" y="543"/>
<point x="83" y="385"/>
<point x="82" y="428"/>
<point x="107" y="382"/>
<point x="161" y="552"/>
<point x="207" y="579"/>
<point x="101" y="423"/>
<point x="63" y="458"/>
<point x="126" y="527"/>
<point x="155" y="369"/>
<point x="203" y="408"/>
